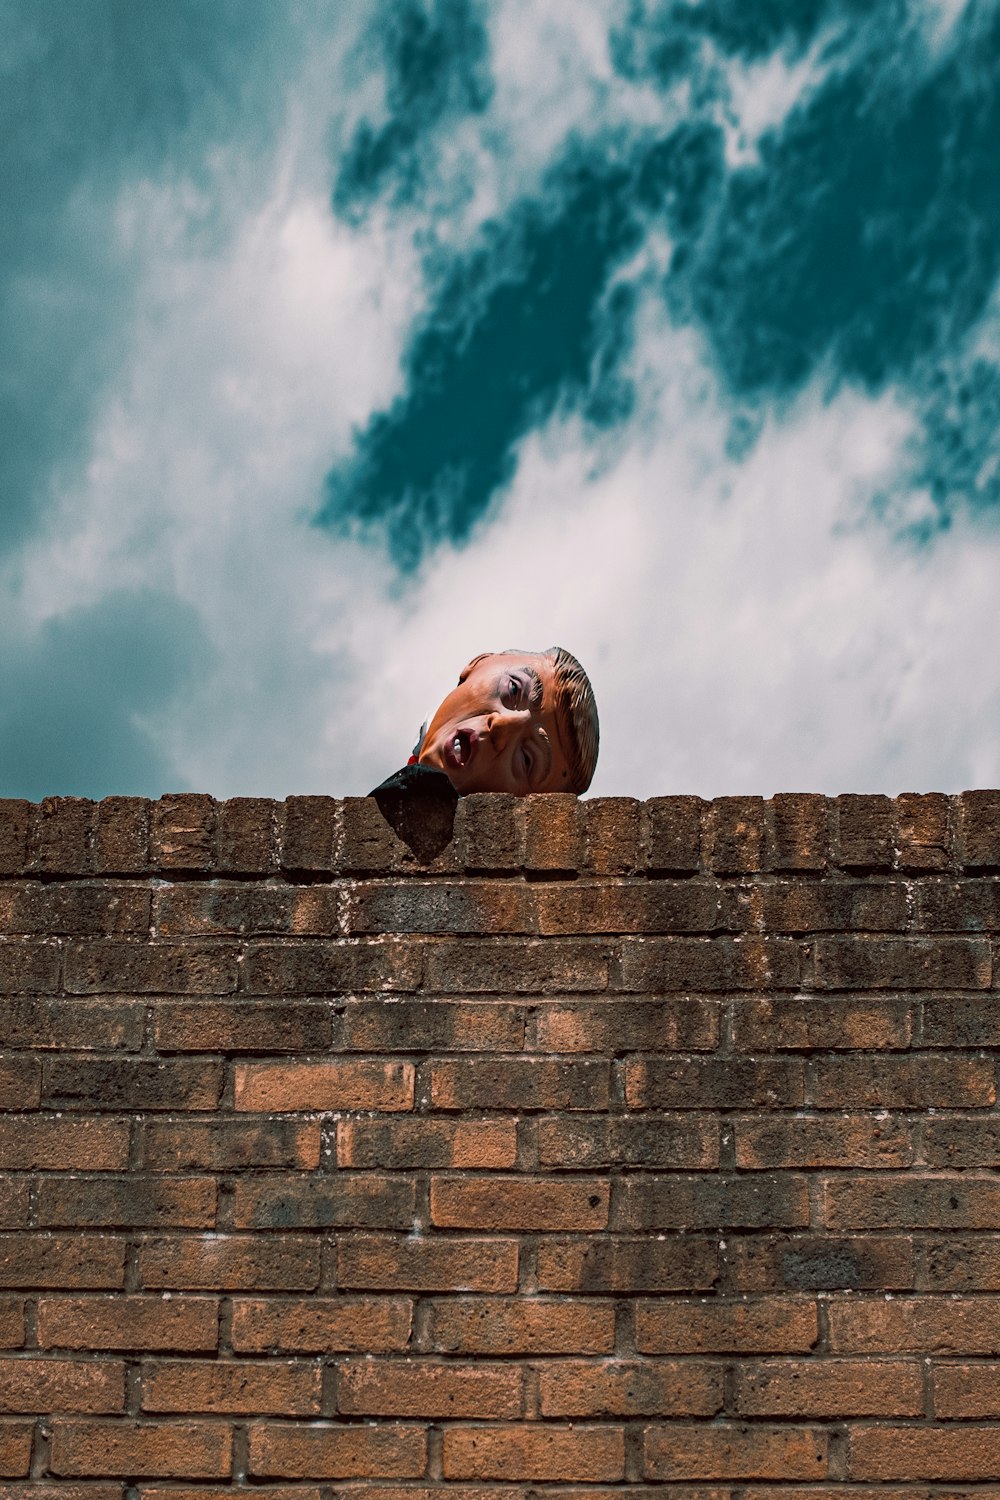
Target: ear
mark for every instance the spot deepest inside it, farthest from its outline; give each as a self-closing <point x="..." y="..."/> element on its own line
<point x="469" y="665"/>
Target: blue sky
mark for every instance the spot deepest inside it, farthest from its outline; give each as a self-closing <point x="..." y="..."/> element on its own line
<point x="340" y="343"/>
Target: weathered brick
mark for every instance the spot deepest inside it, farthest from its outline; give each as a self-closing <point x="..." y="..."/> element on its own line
<point x="422" y="1142"/>
<point x="254" y="1026"/>
<point x="905" y="1325"/>
<point x="801" y="906"/>
<point x="15" y="1202"/>
<point x="904" y="1082"/>
<point x="50" y="1143"/>
<point x="388" y="1262"/>
<point x="714" y="1082"/>
<point x="243" y="908"/>
<point x="968" y="905"/>
<point x="150" y="968"/>
<point x="460" y="907"/>
<point x="86" y="908"/>
<point x="673" y="835"/>
<point x="61" y="836"/>
<point x="121" y="836"/>
<point x="507" y="1325"/>
<point x="520" y="1083"/>
<point x="612" y="1025"/>
<point x="427" y="1388"/>
<point x="864" y="832"/>
<point x="552" y="832"/>
<point x="229" y="1145"/>
<point x="730" y="1451"/>
<point x="753" y="1325"/>
<point x="964" y="1392"/>
<point x="528" y="1203"/>
<point x="940" y="1453"/>
<point x="958" y="1263"/>
<point x="340" y="1083"/>
<point x="777" y="1200"/>
<point x="647" y="1263"/>
<point x="28" y="968"/>
<point x="890" y="963"/>
<point x="185" y="1450"/>
<point x="230" y="1263"/>
<point x="910" y="1201"/>
<point x="238" y="1388"/>
<point x="37" y="1383"/>
<point x="20" y="1083"/>
<point x="308" y="829"/>
<point x="182" y="832"/>
<point x="300" y="1325"/>
<point x="337" y="1452"/>
<point x="979" y="829"/>
<point x="16" y="817"/>
<point x="959" y="1141"/>
<point x="534" y="1452"/>
<point x="50" y="1260"/>
<point x="680" y="1141"/>
<point x="613" y="907"/>
<point x="612" y="835"/>
<point x="797" y="831"/>
<point x="130" y="1083"/>
<point x="821" y="1022"/>
<point x="126" y="1202"/>
<point x="189" y="1324"/>
<point x="959" y="1021"/>
<point x="630" y="1388"/>
<point x="734" y="835"/>
<point x="15" y="1449"/>
<point x="506" y="966"/>
<point x="831" y="1388"/>
<point x="488" y="833"/>
<point x="366" y="1200"/>
<point x="821" y="1263"/>
<point x="745" y="963"/>
<point x="392" y="1024"/>
<point x="247" y="836"/>
<point x="12" y="1328"/>
<point x="922" y="832"/>
<point x="333" y="968"/>
<point x="367" y="843"/>
<point x="63" y="1025"/>
<point x="34" y="1489"/>
<point x="798" y="1140"/>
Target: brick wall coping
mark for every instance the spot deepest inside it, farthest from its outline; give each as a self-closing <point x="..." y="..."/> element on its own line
<point x="191" y="835"/>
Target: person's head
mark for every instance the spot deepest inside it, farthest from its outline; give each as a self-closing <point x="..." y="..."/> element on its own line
<point x="518" y="721"/>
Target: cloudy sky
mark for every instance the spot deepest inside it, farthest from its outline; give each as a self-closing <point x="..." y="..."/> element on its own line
<point x="342" y="341"/>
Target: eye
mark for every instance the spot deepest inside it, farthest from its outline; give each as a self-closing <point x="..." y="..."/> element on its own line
<point x="511" y="694"/>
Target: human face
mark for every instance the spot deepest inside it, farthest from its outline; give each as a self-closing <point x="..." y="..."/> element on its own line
<point x="498" y="730"/>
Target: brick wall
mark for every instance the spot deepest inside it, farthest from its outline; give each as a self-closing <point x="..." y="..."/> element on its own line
<point x="628" y="1148"/>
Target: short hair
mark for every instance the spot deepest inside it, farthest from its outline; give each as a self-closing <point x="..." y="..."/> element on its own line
<point x="576" y="709"/>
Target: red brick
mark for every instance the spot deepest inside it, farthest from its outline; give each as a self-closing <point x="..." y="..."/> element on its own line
<point x="714" y="1082"/>
<point x="182" y="833"/>
<point x="618" y="1025"/>
<point x="453" y="908"/>
<point x="752" y="1325"/>
<point x="821" y="1263"/>
<point x="230" y="1263"/>
<point x="734" y="835"/>
<point x="915" y="1325"/>
<point x="128" y="1202"/>
<point x="427" y="1265"/>
<point x="320" y="1325"/>
<point x="340" y="1083"/>
<point x="61" y="836"/>
<point x="236" y="1387"/>
<point x="979" y="829"/>
<point x="255" y="1026"/>
<point x="62" y="1260"/>
<point x="550" y="966"/>
<point x="658" y="965"/>
<point x="16" y="817"/>
<point x="242" y="908"/>
<point x="891" y="963"/>
<point x="37" y="1384"/>
<point x="182" y="1450"/>
<point x="398" y="1025"/>
<point x="519" y="1083"/>
<point x="366" y="844"/>
<point x="683" y="1141"/>
<point x="20" y="1083"/>
<point x="185" y="968"/>
<point x="922" y="832"/>
<point x="798" y="831"/>
<point x="864" y="832"/>
<point x="28" y="968"/>
<point x="964" y="1392"/>
<point x="959" y="1263"/>
<point x="333" y="967"/>
<point x="85" y="908"/>
<point x="614" y="907"/>
<point x="131" y="1083"/>
<point x="219" y="1492"/>
<point x="645" y="1264"/>
<point x="363" y="1200"/>
<point x="230" y="1145"/>
<point x="35" y="1489"/>
<point x="71" y="1025"/>
<point x="308" y="826"/>
<point x="966" y="905"/>
<point x="488" y="833"/>
<point x="337" y="1452"/>
<point x="527" y="1203"/>
<point x="15" y="1202"/>
<point x="630" y="1388"/>
<point x="121" y="839"/>
<point x="868" y="1141"/>
<point x="729" y="1451"/>
<point x="673" y="837"/>
<point x="965" y="1452"/>
<point x="612" y="835"/>
<point x="959" y="1021"/>
<point x="15" y="1449"/>
<point x="506" y="1325"/>
<point x="533" y="1452"/>
<point x="190" y="1324"/>
<point x="961" y="1141"/>
<point x="422" y="1142"/>
<point x="51" y="1144"/>
<point x="831" y="1388"/>
<point x="553" y="833"/>
<point x="911" y="1202"/>
<point x="11" y="1323"/>
<point x="247" y="836"/>
<point x="918" y="1081"/>
<point x="427" y="1388"/>
<point x="800" y="906"/>
<point x="772" y="1201"/>
<point x="796" y="1022"/>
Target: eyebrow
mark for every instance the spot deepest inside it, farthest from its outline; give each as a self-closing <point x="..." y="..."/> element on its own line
<point x="535" y="693"/>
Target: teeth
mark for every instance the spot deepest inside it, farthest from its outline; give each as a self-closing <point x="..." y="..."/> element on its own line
<point x="457" y="746"/>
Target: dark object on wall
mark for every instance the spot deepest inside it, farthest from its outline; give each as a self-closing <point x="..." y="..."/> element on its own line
<point x="419" y="805"/>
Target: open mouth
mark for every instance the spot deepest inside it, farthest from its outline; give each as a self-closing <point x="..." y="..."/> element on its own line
<point x="459" y="749"/>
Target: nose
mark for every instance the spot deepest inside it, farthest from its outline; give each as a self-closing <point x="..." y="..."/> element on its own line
<point x="500" y="725"/>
